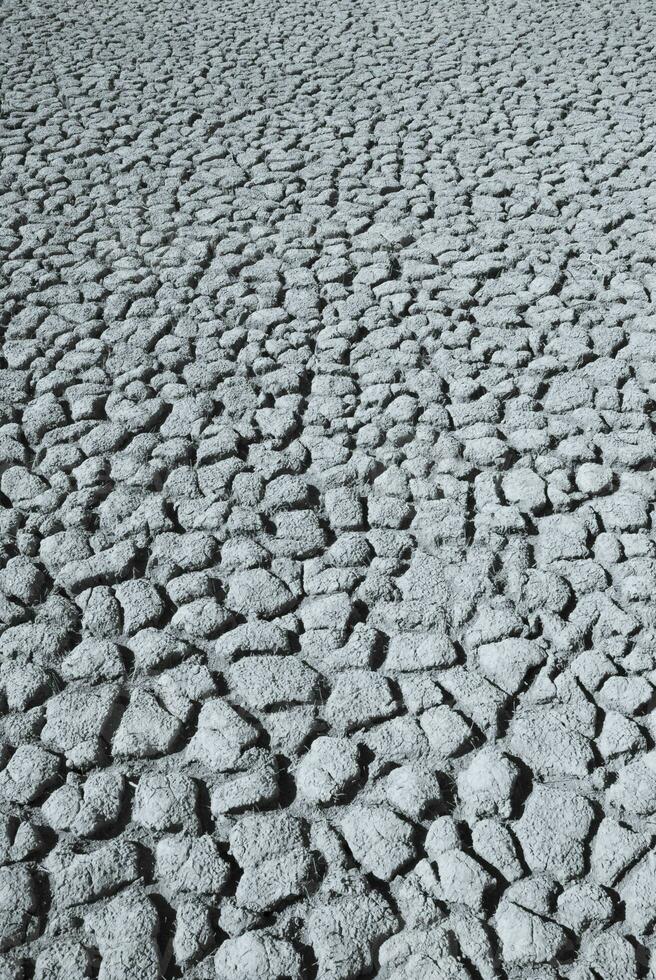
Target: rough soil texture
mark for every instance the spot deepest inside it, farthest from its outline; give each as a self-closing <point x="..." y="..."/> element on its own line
<point x="327" y="576"/>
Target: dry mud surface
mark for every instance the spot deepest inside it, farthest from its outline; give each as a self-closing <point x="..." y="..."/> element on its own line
<point x="328" y="643"/>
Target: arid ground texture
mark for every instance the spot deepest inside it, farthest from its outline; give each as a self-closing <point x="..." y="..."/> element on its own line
<point x="327" y="485"/>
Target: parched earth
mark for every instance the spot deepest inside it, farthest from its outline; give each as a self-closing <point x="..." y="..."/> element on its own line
<point x="327" y="471"/>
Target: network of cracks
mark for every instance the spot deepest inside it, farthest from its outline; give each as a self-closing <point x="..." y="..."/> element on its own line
<point x="327" y="562"/>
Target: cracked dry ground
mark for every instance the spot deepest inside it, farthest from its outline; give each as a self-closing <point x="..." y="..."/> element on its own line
<point x="327" y="440"/>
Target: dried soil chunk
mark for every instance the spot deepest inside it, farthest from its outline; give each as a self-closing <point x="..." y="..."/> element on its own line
<point x="420" y="651"/>
<point x="583" y="905"/>
<point x="255" y="788"/>
<point x="18" y="907"/>
<point x="191" y="864"/>
<point x="79" y="878"/>
<point x="627" y="695"/>
<point x="25" y="685"/>
<point x="358" y="698"/>
<point x="257" y="592"/>
<point x="257" y="957"/>
<point x="421" y="952"/>
<point x="202" y="619"/>
<point x="487" y="784"/>
<point x="328" y="768"/>
<point x="443" y="835"/>
<point x="527" y="938"/>
<point x="265" y="681"/>
<point x="65" y="960"/>
<point x="153" y="649"/>
<point x="101" y="804"/>
<point x="125" y="931"/>
<point x="638" y="892"/>
<point x="165" y="801"/>
<point x="380" y="841"/>
<point x="221" y="737"/>
<point x="273" y="851"/>
<point x="477" y="698"/>
<point x="549" y="743"/>
<point x="21" y="579"/>
<point x="552" y="832"/>
<point x="255" y="636"/>
<point x="494" y="843"/>
<point x="105" y="568"/>
<point x="612" y="956"/>
<point x="620" y="737"/>
<point x="413" y="790"/>
<point x="29" y="773"/>
<point x="92" y="660"/>
<point x="346" y="933"/>
<point x="464" y="879"/>
<point x="508" y="662"/>
<point x="623" y="512"/>
<point x="146" y="729"/>
<point x="141" y="603"/>
<point x="447" y="731"/>
<point x="397" y="741"/>
<point x="194" y="933"/>
<point x="634" y="791"/>
<point x="614" y="848"/>
<point x="77" y="723"/>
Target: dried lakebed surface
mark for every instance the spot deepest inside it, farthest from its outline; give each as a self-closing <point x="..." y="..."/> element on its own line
<point x="328" y="633"/>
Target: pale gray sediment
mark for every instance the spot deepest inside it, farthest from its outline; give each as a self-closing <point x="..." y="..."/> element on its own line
<point x="327" y="563"/>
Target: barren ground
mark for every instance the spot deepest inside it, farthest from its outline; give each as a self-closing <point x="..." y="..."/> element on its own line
<point x="328" y="633"/>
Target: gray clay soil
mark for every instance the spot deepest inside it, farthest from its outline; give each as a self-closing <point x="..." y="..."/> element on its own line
<point x="327" y="442"/>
